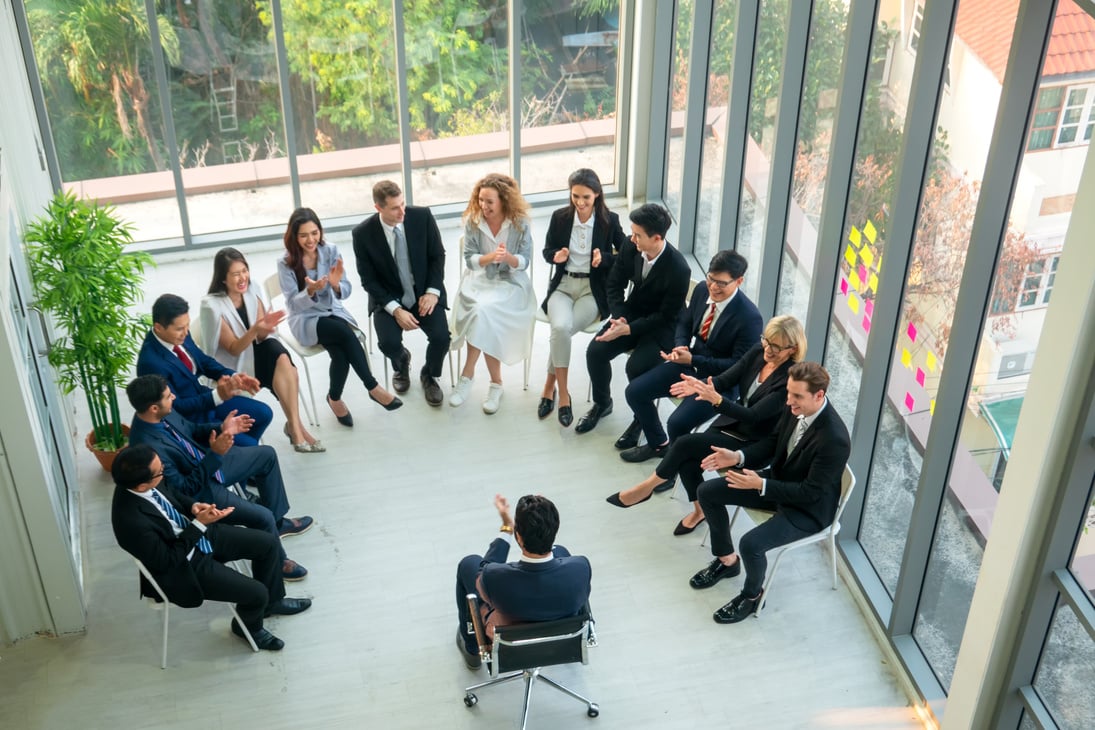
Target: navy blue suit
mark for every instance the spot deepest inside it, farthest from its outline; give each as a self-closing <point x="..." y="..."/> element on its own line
<point x="194" y="400"/>
<point x="194" y="477"/>
<point x="521" y="592"/>
<point x="736" y="330"/>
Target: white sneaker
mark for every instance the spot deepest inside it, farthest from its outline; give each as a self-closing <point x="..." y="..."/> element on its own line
<point x="493" y="399"/>
<point x="460" y="392"/>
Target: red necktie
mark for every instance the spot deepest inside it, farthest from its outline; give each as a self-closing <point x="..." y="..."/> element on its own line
<point x="184" y="357"/>
<point x="706" y="328"/>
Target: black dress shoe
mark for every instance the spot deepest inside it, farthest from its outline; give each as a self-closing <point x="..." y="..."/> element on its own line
<point x="713" y="573"/>
<point x="738" y="609"/>
<point x="432" y="390"/>
<point x="347" y="420"/>
<point x="471" y="660"/>
<point x="589" y="421"/>
<point x="263" y="638"/>
<point x="566" y="416"/>
<point x="629" y="439"/>
<point x="680" y="529"/>
<point x="638" y="454"/>
<point x="547" y="405"/>
<point x="391" y="405"/>
<point x="665" y="486"/>
<point x="288" y="606"/>
<point x="615" y="500"/>
<point x="401" y="375"/>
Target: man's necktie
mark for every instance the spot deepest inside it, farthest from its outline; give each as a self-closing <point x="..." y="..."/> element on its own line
<point x="189" y="447"/>
<point x="705" y="329"/>
<point x="203" y="544"/>
<point x="646" y="268"/>
<point x="184" y="357"/>
<point x="403" y="264"/>
<point x="800" y="430"/>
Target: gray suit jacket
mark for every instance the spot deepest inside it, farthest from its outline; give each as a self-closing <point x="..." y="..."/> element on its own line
<point x="305" y="311"/>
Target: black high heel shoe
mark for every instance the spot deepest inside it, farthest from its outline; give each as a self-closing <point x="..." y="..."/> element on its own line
<point x="547" y="405"/>
<point x="614" y="499"/>
<point x="392" y="405"/>
<point x="347" y="420"/>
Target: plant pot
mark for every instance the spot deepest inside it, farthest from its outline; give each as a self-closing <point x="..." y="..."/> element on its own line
<point x="106" y="458"/>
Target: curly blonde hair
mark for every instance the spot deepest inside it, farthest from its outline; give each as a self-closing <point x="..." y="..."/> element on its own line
<point x="514" y="205"/>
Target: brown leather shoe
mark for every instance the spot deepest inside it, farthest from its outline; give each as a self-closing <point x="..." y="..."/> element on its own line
<point x="432" y="390"/>
<point x="401" y="376"/>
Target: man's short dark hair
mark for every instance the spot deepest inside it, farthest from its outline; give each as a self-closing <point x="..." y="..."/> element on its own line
<point x="384" y="190"/>
<point x="132" y="466"/>
<point x="652" y="218"/>
<point x="811" y="373"/>
<point x="145" y="391"/>
<point x="168" y="308"/>
<point x="728" y="262"/>
<point x="537" y="522"/>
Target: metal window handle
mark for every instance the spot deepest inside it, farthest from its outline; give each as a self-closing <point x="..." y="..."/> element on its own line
<point x="43" y="329"/>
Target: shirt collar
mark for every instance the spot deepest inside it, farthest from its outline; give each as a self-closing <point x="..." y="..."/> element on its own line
<point x="655" y="259"/>
<point x="720" y="307"/>
<point x="588" y="223"/>
<point x="809" y="420"/>
<point x="167" y="345"/>
<point x="526" y="559"/>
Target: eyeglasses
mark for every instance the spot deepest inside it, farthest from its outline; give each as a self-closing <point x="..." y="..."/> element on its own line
<point x="719" y="282"/>
<point x="155" y="475"/>
<point x="775" y="348"/>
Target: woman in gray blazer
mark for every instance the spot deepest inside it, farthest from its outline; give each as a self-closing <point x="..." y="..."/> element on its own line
<point x="313" y="280"/>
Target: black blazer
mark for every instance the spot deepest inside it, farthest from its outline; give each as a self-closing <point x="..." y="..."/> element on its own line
<point x="736" y="330"/>
<point x="751" y="418"/>
<point x="376" y="264"/>
<point x="523" y="591"/>
<point x="806" y="484"/>
<point x="179" y="470"/>
<point x="143" y="532"/>
<point x="608" y="236"/>
<point x="652" y="304"/>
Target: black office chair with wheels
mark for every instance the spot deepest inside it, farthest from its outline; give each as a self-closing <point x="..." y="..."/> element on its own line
<point x="522" y="650"/>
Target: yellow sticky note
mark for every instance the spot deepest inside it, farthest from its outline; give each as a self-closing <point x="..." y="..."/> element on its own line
<point x="931" y="407"/>
<point x="931" y="361"/>
<point x="872" y="282"/>
<point x="906" y="358"/>
<point x="870" y="231"/>
<point x="849" y="255"/>
<point x="866" y="256"/>
<point x="853" y="302"/>
<point x="853" y="279"/>
<point x="854" y="236"/>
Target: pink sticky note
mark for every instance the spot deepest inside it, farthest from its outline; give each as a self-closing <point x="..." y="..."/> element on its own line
<point x="911" y="332"/>
<point x="868" y="307"/>
<point x="866" y="324"/>
<point x="909" y="402"/>
<point x="843" y="286"/>
<point x="862" y="273"/>
<point x="920" y="376"/>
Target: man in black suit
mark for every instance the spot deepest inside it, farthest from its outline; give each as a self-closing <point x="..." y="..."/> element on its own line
<point x="806" y="455"/>
<point x="641" y="320"/>
<point x="185" y="557"/>
<point x="545" y="584"/>
<point x="199" y="460"/>
<point x="718" y="326"/>
<point x="402" y="266"/>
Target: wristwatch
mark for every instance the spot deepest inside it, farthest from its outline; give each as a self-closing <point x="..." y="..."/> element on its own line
<point x="506" y="528"/>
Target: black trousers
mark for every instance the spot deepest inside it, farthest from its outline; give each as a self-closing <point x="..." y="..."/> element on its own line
<point x="221" y="583"/>
<point x="685" y="454"/>
<point x="714" y="496"/>
<point x="340" y="341"/>
<point x="389" y="337"/>
<point x="645" y="355"/>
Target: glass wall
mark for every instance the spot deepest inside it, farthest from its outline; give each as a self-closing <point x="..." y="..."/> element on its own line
<point x="678" y="98"/>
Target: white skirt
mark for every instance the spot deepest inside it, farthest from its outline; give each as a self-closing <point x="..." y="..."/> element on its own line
<point x="495" y="315"/>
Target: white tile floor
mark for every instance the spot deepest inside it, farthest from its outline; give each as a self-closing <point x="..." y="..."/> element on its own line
<point x="398" y="500"/>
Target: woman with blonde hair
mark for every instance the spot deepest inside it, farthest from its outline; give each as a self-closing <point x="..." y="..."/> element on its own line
<point x="495" y="303"/>
<point x="760" y="380"/>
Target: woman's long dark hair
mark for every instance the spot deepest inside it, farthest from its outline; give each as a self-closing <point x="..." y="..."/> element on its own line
<point x="221" y="263"/>
<point x="294" y="254"/>
<point x="587" y="178"/>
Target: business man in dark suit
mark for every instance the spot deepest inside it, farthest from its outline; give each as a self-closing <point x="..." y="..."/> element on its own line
<point x="401" y="262"/>
<point x="199" y="460"/>
<point x="168" y="350"/>
<point x="805" y="457"/>
<point x="546" y="583"/>
<point x="185" y="557"/>
<point x="641" y="321"/>
<point x="718" y="326"/>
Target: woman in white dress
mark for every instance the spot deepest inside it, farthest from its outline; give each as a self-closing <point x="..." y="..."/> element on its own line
<point x="495" y="305"/>
<point x="240" y="332"/>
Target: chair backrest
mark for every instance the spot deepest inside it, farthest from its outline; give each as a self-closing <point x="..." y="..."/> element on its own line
<point x="272" y="287"/>
<point x="847" y="484"/>
<point x="543" y="644"/>
<point x="151" y="581"/>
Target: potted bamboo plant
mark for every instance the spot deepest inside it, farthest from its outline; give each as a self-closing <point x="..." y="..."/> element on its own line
<point x="88" y="283"/>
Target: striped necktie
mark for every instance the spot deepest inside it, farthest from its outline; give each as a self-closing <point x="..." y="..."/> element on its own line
<point x="203" y="544"/>
<point x="189" y="447"/>
<point x="705" y="329"/>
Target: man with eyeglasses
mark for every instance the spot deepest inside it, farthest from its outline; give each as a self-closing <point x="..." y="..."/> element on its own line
<point x="717" y="327"/>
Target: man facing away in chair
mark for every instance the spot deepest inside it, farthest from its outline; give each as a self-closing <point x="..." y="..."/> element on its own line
<point x="185" y="557"/>
<point x="546" y="583"/>
<point x="805" y="454"/>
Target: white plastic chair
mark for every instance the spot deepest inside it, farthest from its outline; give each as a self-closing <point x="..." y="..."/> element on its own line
<point x="166" y="606"/>
<point x="276" y="298"/>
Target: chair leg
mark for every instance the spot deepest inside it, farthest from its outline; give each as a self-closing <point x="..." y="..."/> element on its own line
<point x="565" y="690"/>
<point x="832" y="554"/>
<point x="243" y="626"/>
<point x="452" y="372"/>
<point x="497" y="680"/>
<point x="311" y="393"/>
<point x="530" y="679"/>
<point x="163" y="658"/>
<point x="768" y="580"/>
